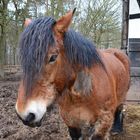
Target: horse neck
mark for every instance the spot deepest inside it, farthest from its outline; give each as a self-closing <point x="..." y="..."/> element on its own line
<point x="78" y="88"/>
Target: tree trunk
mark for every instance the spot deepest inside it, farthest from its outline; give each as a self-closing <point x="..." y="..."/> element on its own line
<point x="4" y="4"/>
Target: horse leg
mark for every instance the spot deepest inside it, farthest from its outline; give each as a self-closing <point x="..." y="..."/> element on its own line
<point x="75" y="133"/>
<point x="118" y="121"/>
<point x="103" y="126"/>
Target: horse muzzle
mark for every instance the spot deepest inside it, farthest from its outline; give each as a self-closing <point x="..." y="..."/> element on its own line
<point x="29" y="120"/>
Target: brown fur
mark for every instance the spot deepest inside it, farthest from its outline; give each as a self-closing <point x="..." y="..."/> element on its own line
<point x="109" y="91"/>
<point x="86" y="97"/>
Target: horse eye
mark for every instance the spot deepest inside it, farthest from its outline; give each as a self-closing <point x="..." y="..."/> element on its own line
<point x="52" y="58"/>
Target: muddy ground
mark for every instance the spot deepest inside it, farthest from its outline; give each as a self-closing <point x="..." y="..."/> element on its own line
<point x="53" y="128"/>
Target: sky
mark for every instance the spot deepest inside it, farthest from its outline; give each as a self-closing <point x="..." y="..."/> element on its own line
<point x="134" y="25"/>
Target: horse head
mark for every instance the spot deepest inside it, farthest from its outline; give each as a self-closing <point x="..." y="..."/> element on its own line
<point x="46" y="71"/>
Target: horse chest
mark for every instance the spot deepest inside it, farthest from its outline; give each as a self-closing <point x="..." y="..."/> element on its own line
<point x="77" y="116"/>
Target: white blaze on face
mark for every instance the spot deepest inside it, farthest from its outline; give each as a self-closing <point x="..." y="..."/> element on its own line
<point x="38" y="106"/>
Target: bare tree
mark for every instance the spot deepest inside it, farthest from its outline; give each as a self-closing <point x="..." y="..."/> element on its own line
<point x="98" y="20"/>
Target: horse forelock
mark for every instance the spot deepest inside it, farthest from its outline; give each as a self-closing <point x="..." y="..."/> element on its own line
<point x="34" y="44"/>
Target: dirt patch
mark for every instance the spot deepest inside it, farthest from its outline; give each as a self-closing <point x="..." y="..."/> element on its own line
<point x="11" y="128"/>
<point x="53" y="128"/>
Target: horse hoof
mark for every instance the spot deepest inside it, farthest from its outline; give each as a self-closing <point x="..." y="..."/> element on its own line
<point x="116" y="132"/>
<point x="97" y="137"/>
<point x="113" y="133"/>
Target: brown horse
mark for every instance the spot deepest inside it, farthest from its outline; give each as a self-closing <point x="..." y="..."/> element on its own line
<point x="60" y="65"/>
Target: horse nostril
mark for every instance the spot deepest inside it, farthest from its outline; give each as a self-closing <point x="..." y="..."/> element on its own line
<point x="30" y="117"/>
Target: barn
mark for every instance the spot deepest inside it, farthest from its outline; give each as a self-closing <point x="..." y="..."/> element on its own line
<point x="134" y="37"/>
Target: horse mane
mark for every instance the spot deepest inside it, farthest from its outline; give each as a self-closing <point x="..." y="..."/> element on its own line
<point x="36" y="40"/>
<point x="80" y="50"/>
<point x="34" y="45"/>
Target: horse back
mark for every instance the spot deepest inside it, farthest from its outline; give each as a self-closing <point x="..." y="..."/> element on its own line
<point x="118" y="65"/>
<point x="122" y="57"/>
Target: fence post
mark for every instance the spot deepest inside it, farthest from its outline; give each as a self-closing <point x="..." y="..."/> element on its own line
<point x="125" y="25"/>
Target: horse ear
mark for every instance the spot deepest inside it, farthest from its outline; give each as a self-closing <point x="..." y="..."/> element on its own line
<point x="63" y="23"/>
<point x="27" y="22"/>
